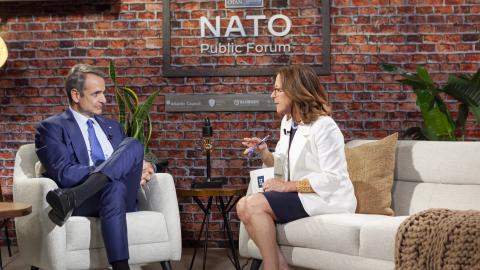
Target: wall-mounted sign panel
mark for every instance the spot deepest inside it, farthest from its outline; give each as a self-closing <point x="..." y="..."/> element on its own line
<point x="219" y="103"/>
<point x="244" y="37"/>
<point x="243" y="3"/>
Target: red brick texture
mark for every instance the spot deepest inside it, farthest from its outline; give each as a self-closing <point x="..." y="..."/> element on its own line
<point x="46" y="38"/>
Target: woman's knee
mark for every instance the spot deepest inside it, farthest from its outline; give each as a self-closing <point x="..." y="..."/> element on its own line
<point x="241" y="209"/>
<point x="252" y="205"/>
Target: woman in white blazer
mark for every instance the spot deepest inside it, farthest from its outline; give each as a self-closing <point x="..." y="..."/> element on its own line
<point x="311" y="176"/>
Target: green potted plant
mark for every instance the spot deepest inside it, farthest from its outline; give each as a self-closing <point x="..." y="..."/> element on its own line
<point x="438" y="124"/>
<point x="134" y="116"/>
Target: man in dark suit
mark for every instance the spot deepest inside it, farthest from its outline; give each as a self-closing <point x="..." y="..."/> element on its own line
<point x="97" y="168"/>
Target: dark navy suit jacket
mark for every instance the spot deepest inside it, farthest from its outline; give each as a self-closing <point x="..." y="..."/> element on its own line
<point x="61" y="148"/>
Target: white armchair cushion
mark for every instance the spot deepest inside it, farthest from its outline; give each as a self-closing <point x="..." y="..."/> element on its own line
<point x="85" y="233"/>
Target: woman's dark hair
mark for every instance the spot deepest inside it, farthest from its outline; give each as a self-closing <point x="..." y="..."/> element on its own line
<point x="76" y="78"/>
<point x="309" y="99"/>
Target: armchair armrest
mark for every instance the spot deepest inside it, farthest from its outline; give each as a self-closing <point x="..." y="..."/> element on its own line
<point x="160" y="195"/>
<point x="243" y="235"/>
<point x="35" y="232"/>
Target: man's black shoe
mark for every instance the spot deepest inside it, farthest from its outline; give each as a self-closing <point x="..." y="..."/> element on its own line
<point x="62" y="202"/>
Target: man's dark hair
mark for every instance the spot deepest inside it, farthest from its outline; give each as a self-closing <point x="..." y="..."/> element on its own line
<point x="76" y="78"/>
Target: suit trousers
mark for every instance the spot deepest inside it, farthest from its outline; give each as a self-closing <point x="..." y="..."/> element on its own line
<point x="119" y="196"/>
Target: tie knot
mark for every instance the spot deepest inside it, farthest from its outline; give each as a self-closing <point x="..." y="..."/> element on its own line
<point x="90" y="123"/>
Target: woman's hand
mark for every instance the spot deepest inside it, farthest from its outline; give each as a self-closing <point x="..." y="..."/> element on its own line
<point x="278" y="185"/>
<point x="252" y="142"/>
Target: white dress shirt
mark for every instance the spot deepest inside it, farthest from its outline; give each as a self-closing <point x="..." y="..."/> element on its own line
<point x="102" y="138"/>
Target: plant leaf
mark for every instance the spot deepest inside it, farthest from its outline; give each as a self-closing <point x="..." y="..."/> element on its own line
<point x="137" y="128"/>
<point x="462" y="118"/>
<point x="437" y="125"/>
<point x="149" y="131"/>
<point x="112" y="73"/>
<point x="475" y="111"/>
<point x="389" y="68"/>
<point x="414" y="133"/>
<point x="424" y="76"/>
<point x="466" y="89"/>
<point x="131" y="99"/>
<point x="121" y="108"/>
<point x="145" y="107"/>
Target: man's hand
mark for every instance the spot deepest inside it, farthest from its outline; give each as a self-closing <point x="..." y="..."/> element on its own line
<point x="278" y="185"/>
<point x="147" y="173"/>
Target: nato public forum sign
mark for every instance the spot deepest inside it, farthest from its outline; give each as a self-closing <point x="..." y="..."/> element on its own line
<point x="244" y="37"/>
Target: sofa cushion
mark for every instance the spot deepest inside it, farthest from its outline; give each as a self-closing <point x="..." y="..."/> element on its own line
<point x="330" y="232"/>
<point x="377" y="238"/>
<point x="85" y="232"/>
<point x="371" y="168"/>
<point x="432" y="195"/>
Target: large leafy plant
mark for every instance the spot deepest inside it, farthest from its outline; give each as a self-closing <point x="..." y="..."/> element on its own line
<point x="134" y="116"/>
<point x="438" y="124"/>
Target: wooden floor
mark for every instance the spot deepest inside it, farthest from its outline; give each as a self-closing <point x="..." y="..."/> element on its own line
<point x="216" y="260"/>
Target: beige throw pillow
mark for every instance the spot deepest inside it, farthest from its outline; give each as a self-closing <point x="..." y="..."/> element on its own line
<point x="371" y="168"/>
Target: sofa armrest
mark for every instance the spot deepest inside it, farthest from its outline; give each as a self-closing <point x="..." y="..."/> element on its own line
<point x="161" y="196"/>
<point x="40" y="240"/>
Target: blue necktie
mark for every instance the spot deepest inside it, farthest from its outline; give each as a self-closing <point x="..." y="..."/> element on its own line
<point x="96" y="151"/>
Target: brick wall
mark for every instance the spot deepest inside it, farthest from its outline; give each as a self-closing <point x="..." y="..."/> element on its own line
<point x="45" y="39"/>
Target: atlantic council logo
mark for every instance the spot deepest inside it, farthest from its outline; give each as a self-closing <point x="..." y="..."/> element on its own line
<point x="211" y="102"/>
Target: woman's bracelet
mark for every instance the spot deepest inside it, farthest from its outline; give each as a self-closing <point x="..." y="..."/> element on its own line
<point x="303" y="186"/>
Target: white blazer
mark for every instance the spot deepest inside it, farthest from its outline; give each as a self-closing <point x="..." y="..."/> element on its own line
<point x="317" y="153"/>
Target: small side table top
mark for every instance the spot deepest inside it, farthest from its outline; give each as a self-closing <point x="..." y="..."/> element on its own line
<point x="11" y="210"/>
<point x="207" y="192"/>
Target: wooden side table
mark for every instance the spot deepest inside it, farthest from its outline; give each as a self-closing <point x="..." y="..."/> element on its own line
<point x="10" y="210"/>
<point x="232" y="195"/>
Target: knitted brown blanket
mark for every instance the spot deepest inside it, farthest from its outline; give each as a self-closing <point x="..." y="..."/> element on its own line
<point x="439" y="239"/>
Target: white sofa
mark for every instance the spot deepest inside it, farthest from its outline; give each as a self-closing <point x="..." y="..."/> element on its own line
<point x="427" y="175"/>
<point x="154" y="233"/>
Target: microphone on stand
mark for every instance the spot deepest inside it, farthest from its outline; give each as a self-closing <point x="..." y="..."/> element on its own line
<point x="207" y="146"/>
<point x="207" y="131"/>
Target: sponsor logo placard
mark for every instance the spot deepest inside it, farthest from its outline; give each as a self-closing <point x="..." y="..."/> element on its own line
<point x="219" y="103"/>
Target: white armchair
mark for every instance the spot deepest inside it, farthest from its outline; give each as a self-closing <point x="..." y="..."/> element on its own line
<point x="153" y="232"/>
